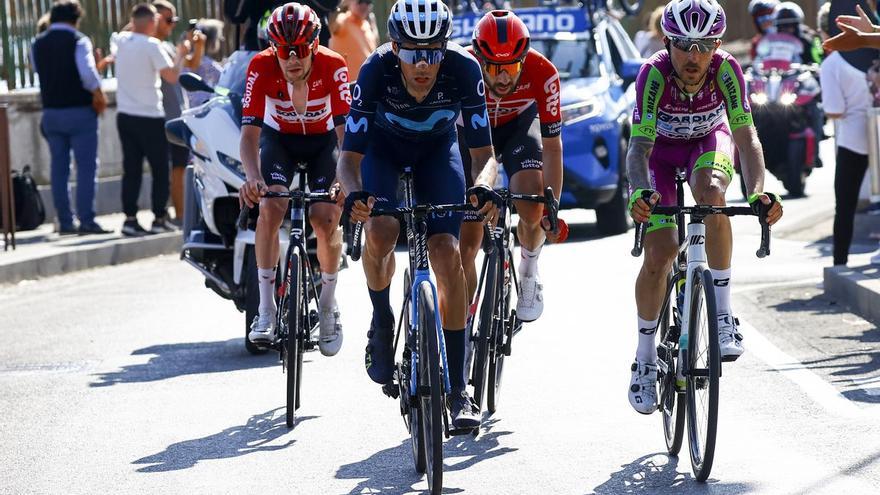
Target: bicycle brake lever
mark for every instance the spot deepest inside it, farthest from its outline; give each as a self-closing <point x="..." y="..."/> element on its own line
<point x="243" y="217"/>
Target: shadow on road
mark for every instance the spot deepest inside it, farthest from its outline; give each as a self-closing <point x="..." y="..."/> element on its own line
<point x="657" y="474"/>
<point x="253" y="436"/>
<point x="391" y="471"/>
<point x="191" y="358"/>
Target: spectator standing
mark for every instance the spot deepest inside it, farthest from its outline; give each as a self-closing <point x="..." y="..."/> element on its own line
<point x="206" y="49"/>
<point x="649" y="41"/>
<point x="257" y="11"/>
<point x="172" y="102"/>
<point x="140" y="64"/>
<point x="355" y="35"/>
<point x="70" y="90"/>
<point x="846" y="99"/>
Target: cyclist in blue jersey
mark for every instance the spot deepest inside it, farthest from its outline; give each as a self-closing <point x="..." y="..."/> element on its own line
<point x="405" y="104"/>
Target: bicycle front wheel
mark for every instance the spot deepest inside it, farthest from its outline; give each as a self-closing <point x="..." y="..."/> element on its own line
<point x="502" y="330"/>
<point x="430" y="385"/>
<point x="292" y="355"/>
<point x="484" y="330"/>
<point x="672" y="403"/>
<point x="703" y="375"/>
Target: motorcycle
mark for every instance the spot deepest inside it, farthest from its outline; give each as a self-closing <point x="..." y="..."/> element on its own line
<point x="784" y="98"/>
<point x="213" y="243"/>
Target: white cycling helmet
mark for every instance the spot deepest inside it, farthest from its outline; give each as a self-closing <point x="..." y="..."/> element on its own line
<point x="421" y="22"/>
<point x="694" y="19"/>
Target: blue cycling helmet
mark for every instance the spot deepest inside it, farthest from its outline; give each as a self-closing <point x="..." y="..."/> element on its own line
<point x="420" y="22"/>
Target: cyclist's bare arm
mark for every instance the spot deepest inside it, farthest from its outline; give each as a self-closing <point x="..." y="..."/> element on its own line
<point x="348" y="171"/>
<point x="485" y="171"/>
<point x="751" y="157"/>
<point x="639" y="175"/>
<point x="249" y="148"/>
<point x="340" y="135"/>
<point x="552" y="156"/>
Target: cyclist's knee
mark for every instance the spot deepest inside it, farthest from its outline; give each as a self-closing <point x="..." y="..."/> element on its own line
<point x="444" y="253"/>
<point x="711" y="194"/>
<point x="529" y="213"/>
<point x="381" y="235"/>
<point x="471" y="237"/>
<point x="324" y="220"/>
<point x="660" y="253"/>
<point x="272" y="212"/>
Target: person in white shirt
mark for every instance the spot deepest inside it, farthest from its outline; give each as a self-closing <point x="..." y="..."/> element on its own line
<point x="846" y="99"/>
<point x="140" y="65"/>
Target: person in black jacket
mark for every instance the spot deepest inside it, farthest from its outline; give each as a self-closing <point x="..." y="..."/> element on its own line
<point x="70" y="89"/>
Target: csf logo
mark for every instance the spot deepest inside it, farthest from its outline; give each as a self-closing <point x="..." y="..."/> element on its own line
<point x="341" y="77"/>
<point x="551" y="89"/>
<point x="248" y="89"/>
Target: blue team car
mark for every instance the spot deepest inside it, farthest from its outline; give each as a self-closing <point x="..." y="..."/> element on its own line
<point x="597" y="64"/>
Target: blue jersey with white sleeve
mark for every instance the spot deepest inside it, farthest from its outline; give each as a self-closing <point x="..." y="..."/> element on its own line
<point x="380" y="101"/>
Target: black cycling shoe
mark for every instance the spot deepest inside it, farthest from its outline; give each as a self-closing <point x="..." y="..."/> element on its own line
<point x="463" y="409"/>
<point x="379" y="357"/>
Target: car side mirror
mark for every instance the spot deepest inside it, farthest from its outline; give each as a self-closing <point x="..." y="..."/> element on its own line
<point x="193" y="82"/>
<point x="629" y="70"/>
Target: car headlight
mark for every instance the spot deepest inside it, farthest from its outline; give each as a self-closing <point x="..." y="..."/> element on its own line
<point x="787" y="98"/>
<point x="759" y="98"/>
<point x="231" y="163"/>
<point x="582" y="110"/>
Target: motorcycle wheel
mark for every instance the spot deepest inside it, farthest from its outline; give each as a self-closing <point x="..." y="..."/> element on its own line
<point x="252" y="297"/>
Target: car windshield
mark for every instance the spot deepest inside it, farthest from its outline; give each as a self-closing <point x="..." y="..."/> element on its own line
<point x="573" y="58"/>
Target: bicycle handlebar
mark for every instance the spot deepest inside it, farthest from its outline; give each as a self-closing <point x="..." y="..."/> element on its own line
<point x="703" y="211"/>
<point x="245" y="212"/>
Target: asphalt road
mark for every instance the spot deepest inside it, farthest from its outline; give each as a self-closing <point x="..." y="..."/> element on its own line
<point x="134" y="379"/>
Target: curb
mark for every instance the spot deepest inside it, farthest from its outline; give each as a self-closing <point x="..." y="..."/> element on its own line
<point x="858" y="286"/>
<point x="74" y="258"/>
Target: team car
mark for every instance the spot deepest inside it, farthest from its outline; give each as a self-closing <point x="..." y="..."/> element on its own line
<point x="597" y="64"/>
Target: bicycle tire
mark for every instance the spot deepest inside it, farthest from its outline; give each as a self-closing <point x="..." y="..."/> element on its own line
<point x="672" y="403"/>
<point x="704" y="375"/>
<point x="484" y="330"/>
<point x="291" y="343"/>
<point x="412" y="410"/>
<point x="502" y="329"/>
<point x="430" y="386"/>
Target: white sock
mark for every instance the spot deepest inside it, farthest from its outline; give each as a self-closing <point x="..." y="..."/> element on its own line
<point x="722" y="290"/>
<point x="528" y="262"/>
<point x="647" y="349"/>
<point x="266" y="278"/>
<point x="328" y="290"/>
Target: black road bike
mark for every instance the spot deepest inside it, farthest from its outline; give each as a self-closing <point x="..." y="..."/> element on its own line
<point x="297" y="294"/>
<point x="688" y="354"/>
<point x="492" y="332"/>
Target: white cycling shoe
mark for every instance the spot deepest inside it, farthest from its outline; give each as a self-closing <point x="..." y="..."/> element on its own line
<point x="262" y="330"/>
<point x="729" y="338"/>
<point x="643" y="387"/>
<point x="530" y="304"/>
<point x="330" y="337"/>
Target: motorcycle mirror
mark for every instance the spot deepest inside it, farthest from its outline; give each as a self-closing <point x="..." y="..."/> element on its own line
<point x="192" y="82"/>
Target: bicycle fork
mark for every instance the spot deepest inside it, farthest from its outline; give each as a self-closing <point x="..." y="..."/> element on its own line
<point x="696" y="256"/>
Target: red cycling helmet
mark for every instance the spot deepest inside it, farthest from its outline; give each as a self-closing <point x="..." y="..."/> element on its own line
<point x="501" y="38"/>
<point x="294" y="24"/>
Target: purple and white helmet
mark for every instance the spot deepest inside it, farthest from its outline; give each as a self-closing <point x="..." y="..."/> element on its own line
<point x="694" y="19"/>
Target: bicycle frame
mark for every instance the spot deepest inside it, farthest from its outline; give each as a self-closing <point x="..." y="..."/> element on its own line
<point x="297" y="240"/>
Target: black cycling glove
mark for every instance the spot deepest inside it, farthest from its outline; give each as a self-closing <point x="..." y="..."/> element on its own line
<point x="484" y="195"/>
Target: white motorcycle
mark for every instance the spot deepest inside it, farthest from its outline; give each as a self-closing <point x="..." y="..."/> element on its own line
<point x="213" y="243"/>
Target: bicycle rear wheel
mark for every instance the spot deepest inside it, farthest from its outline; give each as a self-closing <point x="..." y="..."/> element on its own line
<point x="484" y="329"/>
<point x="703" y="376"/>
<point x="672" y="403"/>
<point x="292" y="355"/>
<point x="430" y="385"/>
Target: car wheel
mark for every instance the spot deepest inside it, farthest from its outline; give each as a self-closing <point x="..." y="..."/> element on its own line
<point x="612" y="217"/>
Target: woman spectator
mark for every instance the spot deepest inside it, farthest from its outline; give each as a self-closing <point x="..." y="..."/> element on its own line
<point x="207" y="50"/>
<point x="650" y="41"/>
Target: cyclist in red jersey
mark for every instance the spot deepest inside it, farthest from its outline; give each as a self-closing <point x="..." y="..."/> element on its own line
<point x="293" y="111"/>
<point x="522" y="98"/>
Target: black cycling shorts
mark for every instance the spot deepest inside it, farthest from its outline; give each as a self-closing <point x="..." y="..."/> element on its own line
<point x="280" y="154"/>
<point x="517" y="147"/>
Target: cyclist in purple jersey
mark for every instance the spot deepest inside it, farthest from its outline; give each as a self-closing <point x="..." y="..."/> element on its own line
<point x="691" y="110"/>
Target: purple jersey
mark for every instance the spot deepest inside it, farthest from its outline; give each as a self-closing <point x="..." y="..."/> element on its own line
<point x="666" y="113"/>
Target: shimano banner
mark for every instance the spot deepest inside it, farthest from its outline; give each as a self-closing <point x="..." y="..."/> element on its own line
<point x="539" y="20"/>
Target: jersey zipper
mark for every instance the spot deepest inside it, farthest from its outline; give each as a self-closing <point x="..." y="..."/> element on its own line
<point x="299" y="117"/>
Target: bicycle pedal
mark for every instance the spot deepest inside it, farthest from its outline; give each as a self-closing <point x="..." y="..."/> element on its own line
<point x="391" y="390"/>
<point x="310" y="346"/>
<point x="463" y="431"/>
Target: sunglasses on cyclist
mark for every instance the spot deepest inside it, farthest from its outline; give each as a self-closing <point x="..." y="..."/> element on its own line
<point x="299" y="51"/>
<point x="688" y="44"/>
<point x="495" y="70"/>
<point x="431" y="56"/>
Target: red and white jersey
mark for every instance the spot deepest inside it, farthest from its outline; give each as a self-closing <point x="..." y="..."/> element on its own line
<point x="267" y="96"/>
<point x="538" y="85"/>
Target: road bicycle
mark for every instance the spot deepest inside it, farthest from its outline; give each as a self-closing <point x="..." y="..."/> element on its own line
<point x="492" y="333"/>
<point x="297" y="293"/>
<point x="420" y="381"/>
<point x="688" y="354"/>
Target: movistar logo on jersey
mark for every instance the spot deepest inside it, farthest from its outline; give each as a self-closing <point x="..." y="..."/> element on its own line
<point x="426" y="125"/>
<point x="354" y="126"/>
<point x="478" y="121"/>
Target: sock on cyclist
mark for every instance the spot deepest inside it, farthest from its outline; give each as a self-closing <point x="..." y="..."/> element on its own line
<point x="528" y="262"/>
<point x="647" y="349"/>
<point x="383" y="316"/>
<point x="721" y="280"/>
<point x="266" y="279"/>
<point x="455" y="343"/>
<point x="328" y="290"/>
